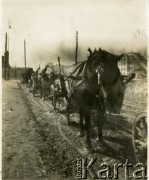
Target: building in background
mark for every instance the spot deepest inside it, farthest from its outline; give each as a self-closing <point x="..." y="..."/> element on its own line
<point x="133" y="63"/>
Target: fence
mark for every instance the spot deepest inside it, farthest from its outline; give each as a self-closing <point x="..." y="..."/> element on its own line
<point x="14" y="73"/>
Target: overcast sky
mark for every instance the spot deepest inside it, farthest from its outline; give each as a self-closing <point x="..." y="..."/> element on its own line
<point x="49" y="28"/>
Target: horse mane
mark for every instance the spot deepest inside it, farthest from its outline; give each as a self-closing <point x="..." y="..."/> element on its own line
<point x="108" y="53"/>
<point x="87" y="67"/>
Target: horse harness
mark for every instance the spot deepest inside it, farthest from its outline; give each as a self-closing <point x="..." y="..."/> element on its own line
<point x="83" y="79"/>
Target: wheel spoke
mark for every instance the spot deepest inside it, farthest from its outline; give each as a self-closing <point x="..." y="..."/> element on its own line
<point x="140" y="139"/>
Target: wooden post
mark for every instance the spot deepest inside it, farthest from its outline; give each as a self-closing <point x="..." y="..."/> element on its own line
<point x="8" y="65"/>
<point x="25" y="54"/>
<point x="59" y="65"/>
<point x="6" y="42"/>
<point x="9" y="27"/>
<point x="5" y="75"/>
<point x="76" y="54"/>
<point x="6" y="58"/>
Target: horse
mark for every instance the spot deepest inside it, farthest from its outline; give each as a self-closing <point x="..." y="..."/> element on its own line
<point x="26" y="76"/>
<point x="47" y="81"/>
<point x="35" y="83"/>
<point x="55" y="85"/>
<point x="100" y="87"/>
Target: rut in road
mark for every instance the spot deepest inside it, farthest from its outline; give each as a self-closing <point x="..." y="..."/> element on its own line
<point x="56" y="153"/>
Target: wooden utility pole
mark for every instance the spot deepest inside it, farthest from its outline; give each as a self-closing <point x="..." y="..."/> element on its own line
<point x="6" y="59"/>
<point x="6" y="42"/>
<point x="9" y="27"/>
<point x="76" y="54"/>
<point x="59" y="63"/>
<point x="25" y="54"/>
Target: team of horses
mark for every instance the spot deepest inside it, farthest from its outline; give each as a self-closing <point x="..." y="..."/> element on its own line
<point x="95" y="84"/>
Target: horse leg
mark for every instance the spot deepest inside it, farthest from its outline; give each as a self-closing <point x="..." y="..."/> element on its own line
<point x="100" y="123"/>
<point x="68" y="114"/>
<point x="44" y="93"/>
<point x="41" y="92"/>
<point x="81" y="129"/>
<point x="31" y="83"/>
<point x="34" y="90"/>
<point x="87" y="124"/>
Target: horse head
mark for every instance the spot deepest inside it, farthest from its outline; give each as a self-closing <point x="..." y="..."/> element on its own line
<point x="110" y="78"/>
<point x="106" y="64"/>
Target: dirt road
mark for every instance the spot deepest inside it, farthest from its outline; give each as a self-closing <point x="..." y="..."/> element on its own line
<point x="38" y="144"/>
<point x="32" y="140"/>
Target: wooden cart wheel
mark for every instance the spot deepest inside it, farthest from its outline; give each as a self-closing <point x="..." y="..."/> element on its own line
<point x="139" y="138"/>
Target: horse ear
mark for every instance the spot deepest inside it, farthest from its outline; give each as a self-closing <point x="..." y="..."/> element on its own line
<point x="99" y="50"/>
<point x="95" y="50"/>
<point x="119" y="57"/>
<point x="90" y="51"/>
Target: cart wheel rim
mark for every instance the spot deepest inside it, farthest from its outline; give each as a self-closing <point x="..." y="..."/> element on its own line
<point x="140" y="138"/>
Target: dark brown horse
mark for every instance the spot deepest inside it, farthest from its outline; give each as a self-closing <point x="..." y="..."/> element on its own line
<point x="26" y="76"/>
<point x="100" y="88"/>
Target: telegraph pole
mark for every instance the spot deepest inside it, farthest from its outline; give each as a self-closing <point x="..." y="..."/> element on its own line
<point x="5" y="57"/>
<point x="25" y="54"/>
<point x="59" y="63"/>
<point x="6" y="42"/>
<point x="8" y="65"/>
<point x="76" y="54"/>
<point x="9" y="27"/>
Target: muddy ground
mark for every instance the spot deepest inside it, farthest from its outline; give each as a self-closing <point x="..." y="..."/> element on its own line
<point x="37" y="143"/>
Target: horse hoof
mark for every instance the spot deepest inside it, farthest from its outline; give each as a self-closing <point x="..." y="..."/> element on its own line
<point x="100" y="141"/>
<point x="80" y="134"/>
